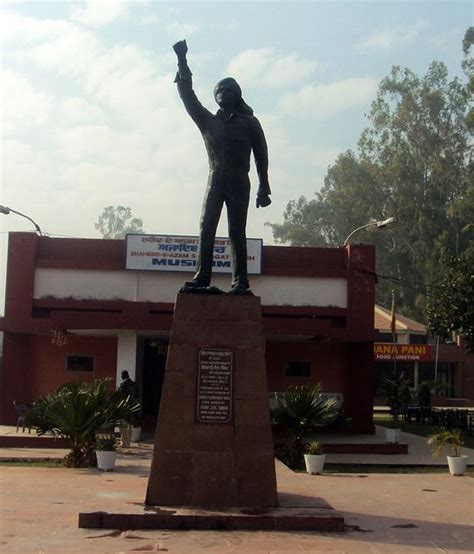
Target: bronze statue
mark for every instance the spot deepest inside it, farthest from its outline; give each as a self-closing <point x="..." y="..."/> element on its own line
<point x="229" y="137"/>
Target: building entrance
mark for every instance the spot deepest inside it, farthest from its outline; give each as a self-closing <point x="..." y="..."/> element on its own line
<point x="154" y="362"/>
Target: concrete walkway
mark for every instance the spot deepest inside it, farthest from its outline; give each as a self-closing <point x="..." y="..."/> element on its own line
<point x="421" y="513"/>
<point x="419" y="452"/>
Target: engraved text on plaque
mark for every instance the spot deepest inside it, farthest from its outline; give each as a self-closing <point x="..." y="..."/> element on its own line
<point x="214" y="390"/>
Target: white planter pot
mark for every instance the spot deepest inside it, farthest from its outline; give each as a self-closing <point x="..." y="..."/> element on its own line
<point x="136" y="432"/>
<point x="457" y="464"/>
<point x="392" y="435"/>
<point x="106" y="459"/>
<point x="314" y="463"/>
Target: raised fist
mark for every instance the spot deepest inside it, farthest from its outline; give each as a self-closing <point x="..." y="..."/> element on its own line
<point x="181" y="48"/>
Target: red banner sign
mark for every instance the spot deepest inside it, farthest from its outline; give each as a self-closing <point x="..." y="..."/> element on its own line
<point x="403" y="352"/>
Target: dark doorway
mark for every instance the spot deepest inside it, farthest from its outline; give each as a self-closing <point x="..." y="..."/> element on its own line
<point x="154" y="362"/>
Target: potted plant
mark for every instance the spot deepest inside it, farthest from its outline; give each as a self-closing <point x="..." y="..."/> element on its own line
<point x="136" y="429"/>
<point x="314" y="458"/>
<point x="77" y="411"/>
<point x="298" y="412"/>
<point x="397" y="394"/>
<point x="105" y="451"/>
<point x="136" y="432"/>
<point x="451" y="441"/>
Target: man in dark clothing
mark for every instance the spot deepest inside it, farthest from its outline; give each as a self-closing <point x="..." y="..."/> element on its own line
<point x="127" y="386"/>
<point x="229" y="136"/>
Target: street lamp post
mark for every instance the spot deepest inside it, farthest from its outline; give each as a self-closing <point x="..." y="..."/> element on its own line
<point x="378" y="224"/>
<point x="5" y="211"/>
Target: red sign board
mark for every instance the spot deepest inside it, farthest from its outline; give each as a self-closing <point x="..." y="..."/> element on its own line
<point x="403" y="352"/>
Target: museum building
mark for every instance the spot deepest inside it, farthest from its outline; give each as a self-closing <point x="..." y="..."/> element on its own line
<point x="84" y="309"/>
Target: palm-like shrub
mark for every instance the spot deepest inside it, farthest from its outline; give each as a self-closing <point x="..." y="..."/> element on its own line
<point x="299" y="411"/>
<point x="451" y="440"/>
<point x="398" y="396"/>
<point x="77" y="411"/>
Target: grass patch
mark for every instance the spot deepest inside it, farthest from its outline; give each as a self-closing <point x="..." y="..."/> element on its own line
<point x="416" y="428"/>
<point x="32" y="463"/>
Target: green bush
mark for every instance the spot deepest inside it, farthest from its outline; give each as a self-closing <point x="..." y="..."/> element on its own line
<point x="450" y="440"/>
<point x="106" y="441"/>
<point x="300" y="411"/>
<point x="314" y="448"/>
<point x="398" y="396"/>
<point x="77" y="411"/>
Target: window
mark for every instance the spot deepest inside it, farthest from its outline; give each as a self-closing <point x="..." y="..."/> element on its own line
<point x="298" y="369"/>
<point x="385" y="337"/>
<point x="418" y="339"/>
<point x="80" y="363"/>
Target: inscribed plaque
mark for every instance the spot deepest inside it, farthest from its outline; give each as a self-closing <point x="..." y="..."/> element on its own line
<point x="214" y="388"/>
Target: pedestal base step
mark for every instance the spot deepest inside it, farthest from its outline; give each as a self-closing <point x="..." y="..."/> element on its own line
<point x="264" y="519"/>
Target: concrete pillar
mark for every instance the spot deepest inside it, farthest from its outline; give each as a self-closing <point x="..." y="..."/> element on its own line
<point x="126" y="354"/>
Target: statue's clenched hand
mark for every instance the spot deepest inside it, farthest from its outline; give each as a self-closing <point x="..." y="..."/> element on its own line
<point x="181" y="48"/>
<point x="263" y="200"/>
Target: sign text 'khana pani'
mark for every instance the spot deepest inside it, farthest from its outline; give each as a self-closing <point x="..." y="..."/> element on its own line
<point x="407" y="352"/>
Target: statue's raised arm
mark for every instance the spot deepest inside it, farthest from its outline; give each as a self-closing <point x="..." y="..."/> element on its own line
<point x="185" y="87"/>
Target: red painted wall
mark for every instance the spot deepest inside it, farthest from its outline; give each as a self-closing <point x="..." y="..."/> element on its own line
<point x="34" y="366"/>
<point x="341" y="368"/>
<point x="328" y="361"/>
<point x="49" y="361"/>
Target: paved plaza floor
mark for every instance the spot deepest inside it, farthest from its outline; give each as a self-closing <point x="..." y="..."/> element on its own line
<point x="383" y="512"/>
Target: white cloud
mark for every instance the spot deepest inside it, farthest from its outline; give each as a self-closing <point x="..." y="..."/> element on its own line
<point x="18" y="28"/>
<point x="181" y="30"/>
<point x="389" y="38"/>
<point x="265" y="68"/>
<point x="150" y="19"/>
<point x="324" y="101"/>
<point x="96" y="13"/>
<point x="23" y="106"/>
<point x="121" y="137"/>
<point x="77" y="110"/>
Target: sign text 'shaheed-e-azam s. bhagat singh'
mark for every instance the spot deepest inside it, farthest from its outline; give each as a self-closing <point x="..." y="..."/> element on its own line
<point x="179" y="253"/>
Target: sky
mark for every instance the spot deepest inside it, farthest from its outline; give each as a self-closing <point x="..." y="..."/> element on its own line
<point x="90" y="116"/>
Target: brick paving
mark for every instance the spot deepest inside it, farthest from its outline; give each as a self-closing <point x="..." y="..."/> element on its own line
<point x="384" y="513"/>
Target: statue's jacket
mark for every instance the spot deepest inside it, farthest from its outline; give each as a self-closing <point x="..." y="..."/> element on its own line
<point x="228" y="140"/>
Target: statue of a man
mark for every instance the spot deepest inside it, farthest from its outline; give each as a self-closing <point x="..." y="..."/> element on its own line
<point x="229" y="137"/>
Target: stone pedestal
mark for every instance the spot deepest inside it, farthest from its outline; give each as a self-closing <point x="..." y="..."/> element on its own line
<point x="213" y="442"/>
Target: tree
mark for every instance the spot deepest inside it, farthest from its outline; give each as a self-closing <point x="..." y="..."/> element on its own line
<point x="116" y="221"/>
<point x="414" y="162"/>
<point x="451" y="303"/>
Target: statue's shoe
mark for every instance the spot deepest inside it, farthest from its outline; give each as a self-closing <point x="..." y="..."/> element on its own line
<point x="240" y="290"/>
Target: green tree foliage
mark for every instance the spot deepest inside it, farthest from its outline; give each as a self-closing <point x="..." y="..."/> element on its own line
<point x="414" y="162"/>
<point x="77" y="411"/>
<point x="451" y="304"/>
<point x="116" y="221"/>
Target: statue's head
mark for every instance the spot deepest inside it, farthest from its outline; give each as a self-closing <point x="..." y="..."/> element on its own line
<point x="228" y="95"/>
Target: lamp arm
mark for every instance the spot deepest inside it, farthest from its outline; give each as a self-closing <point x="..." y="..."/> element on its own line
<point x="359" y="229"/>
<point x="37" y="227"/>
